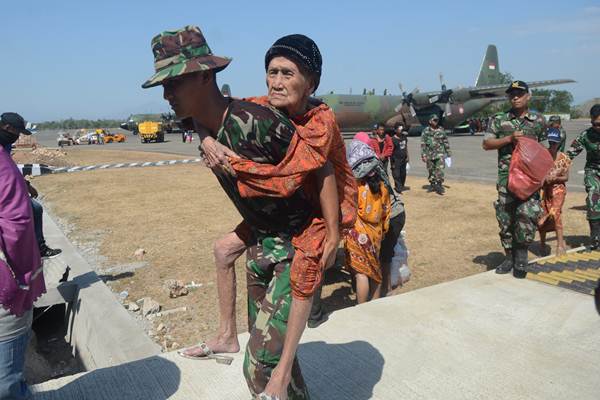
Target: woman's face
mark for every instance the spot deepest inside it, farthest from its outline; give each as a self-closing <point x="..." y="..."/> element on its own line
<point x="289" y="88"/>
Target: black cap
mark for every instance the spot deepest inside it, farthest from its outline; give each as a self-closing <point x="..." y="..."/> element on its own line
<point x="554" y="118"/>
<point x="14" y="120"/>
<point x="300" y="49"/>
<point x="518" y="85"/>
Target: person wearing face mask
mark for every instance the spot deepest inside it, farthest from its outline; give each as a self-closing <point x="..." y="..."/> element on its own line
<point x="13" y="125"/>
<point x="21" y="277"/>
<point x="590" y="141"/>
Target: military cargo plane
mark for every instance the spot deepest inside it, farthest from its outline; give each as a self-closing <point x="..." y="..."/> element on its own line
<point x="453" y="106"/>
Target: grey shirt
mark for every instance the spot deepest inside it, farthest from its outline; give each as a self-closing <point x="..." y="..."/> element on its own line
<point x="12" y="326"/>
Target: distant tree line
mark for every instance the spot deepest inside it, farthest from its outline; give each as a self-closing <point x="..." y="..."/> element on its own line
<point x="71" y="123"/>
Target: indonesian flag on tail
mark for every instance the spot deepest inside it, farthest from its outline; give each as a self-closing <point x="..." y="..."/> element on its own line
<point x="492" y="66"/>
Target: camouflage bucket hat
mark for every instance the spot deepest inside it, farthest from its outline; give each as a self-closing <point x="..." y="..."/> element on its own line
<point x="182" y="52"/>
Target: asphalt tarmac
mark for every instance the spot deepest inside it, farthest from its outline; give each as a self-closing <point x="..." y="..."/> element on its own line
<point x="469" y="160"/>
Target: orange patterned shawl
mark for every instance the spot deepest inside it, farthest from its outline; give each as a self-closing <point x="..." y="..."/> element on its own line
<point x="317" y="140"/>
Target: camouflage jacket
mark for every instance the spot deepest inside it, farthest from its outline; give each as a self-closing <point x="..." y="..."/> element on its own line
<point x="262" y="135"/>
<point x="504" y="124"/>
<point x="434" y="144"/>
<point x="590" y="141"/>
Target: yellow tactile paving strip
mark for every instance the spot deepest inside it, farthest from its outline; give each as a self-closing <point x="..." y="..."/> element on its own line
<point x="576" y="271"/>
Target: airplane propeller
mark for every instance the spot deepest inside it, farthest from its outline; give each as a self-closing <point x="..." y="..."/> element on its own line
<point x="408" y="100"/>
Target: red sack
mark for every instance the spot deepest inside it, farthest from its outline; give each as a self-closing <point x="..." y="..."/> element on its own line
<point x="529" y="165"/>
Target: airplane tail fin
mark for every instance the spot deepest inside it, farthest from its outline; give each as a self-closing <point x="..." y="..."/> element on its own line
<point x="490" y="68"/>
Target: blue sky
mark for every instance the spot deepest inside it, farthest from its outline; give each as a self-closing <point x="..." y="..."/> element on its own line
<point x="85" y="59"/>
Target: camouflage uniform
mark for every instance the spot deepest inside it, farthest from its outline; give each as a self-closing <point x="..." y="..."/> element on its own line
<point x="434" y="149"/>
<point x="590" y="141"/>
<point x="263" y="135"/>
<point x="517" y="218"/>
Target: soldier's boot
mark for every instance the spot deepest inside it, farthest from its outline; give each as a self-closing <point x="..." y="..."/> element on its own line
<point x="431" y="187"/>
<point x="520" y="261"/>
<point x="507" y="265"/>
<point x="594" y="235"/>
<point x="440" y="188"/>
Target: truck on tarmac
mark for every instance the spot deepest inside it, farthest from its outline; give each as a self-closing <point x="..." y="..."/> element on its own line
<point x="151" y="131"/>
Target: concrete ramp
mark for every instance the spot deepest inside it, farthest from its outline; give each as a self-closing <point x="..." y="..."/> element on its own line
<point x="482" y="337"/>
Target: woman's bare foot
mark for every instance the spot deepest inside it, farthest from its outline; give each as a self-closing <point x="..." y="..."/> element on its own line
<point x="216" y="346"/>
<point x="561" y="249"/>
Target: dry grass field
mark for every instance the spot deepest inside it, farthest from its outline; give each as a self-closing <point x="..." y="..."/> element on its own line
<point x="175" y="213"/>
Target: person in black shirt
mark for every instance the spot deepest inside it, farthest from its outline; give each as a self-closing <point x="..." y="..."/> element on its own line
<point x="399" y="157"/>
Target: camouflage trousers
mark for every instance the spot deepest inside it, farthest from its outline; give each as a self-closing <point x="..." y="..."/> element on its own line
<point x="435" y="168"/>
<point x="592" y="187"/>
<point x="269" y="301"/>
<point x="517" y="218"/>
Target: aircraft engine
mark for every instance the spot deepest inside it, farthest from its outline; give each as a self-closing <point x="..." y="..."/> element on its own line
<point x="420" y="99"/>
<point x="460" y="95"/>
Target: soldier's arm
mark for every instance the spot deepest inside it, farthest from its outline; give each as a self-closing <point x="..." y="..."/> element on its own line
<point x="576" y="147"/>
<point x="492" y="141"/>
<point x="447" y="145"/>
<point x="423" y="146"/>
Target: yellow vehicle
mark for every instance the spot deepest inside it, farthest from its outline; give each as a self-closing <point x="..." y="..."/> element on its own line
<point x="151" y="131"/>
<point x="108" y="137"/>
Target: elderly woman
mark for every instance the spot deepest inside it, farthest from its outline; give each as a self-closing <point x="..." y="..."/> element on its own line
<point x="21" y="278"/>
<point x="315" y="155"/>
<point x="363" y="242"/>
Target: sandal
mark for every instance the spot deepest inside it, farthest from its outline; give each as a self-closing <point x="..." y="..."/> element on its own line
<point x="207" y="354"/>
<point x="264" y="396"/>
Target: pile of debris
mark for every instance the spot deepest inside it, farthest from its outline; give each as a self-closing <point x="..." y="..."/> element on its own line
<point x="43" y="155"/>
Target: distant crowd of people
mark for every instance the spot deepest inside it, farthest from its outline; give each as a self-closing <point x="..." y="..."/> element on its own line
<point x="300" y="190"/>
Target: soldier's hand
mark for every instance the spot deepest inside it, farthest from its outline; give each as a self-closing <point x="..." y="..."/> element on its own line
<point x="516" y="135"/>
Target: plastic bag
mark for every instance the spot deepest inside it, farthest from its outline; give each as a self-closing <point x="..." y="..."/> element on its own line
<point x="448" y="161"/>
<point x="407" y="166"/>
<point x="529" y="165"/>
<point x="399" y="271"/>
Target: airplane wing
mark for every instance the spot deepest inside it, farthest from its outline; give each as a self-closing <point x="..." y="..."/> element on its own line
<point x="498" y="90"/>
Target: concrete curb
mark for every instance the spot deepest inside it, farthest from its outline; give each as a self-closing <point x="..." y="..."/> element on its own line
<point x="101" y="331"/>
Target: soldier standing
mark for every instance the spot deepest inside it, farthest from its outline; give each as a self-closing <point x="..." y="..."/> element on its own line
<point x="434" y="151"/>
<point x="554" y="122"/>
<point x="517" y="218"/>
<point x="590" y="141"/>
